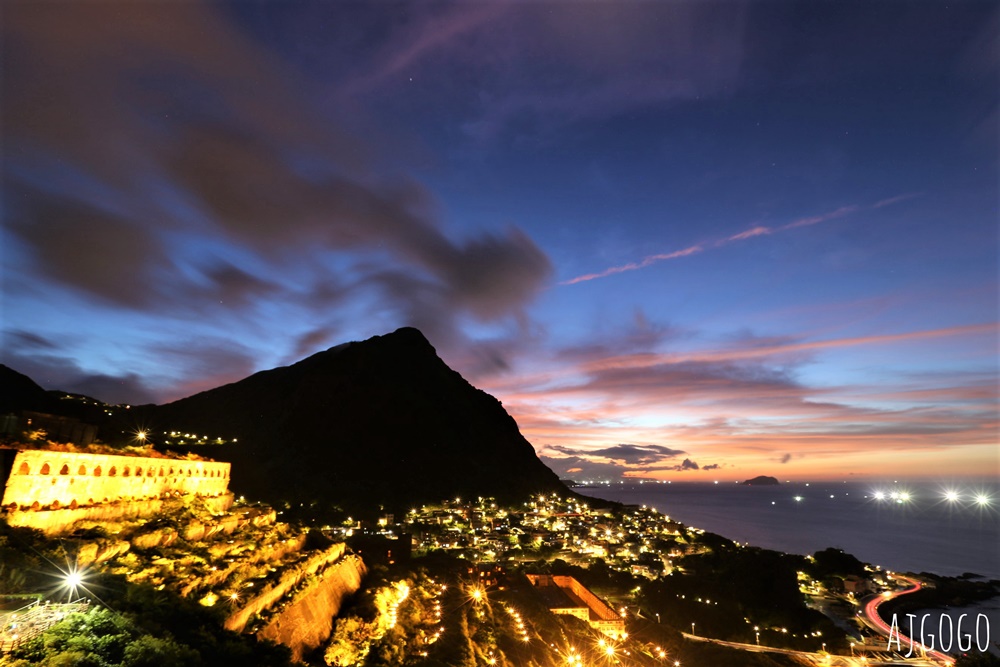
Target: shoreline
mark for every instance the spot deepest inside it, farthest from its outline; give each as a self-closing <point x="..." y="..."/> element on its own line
<point x="922" y="536"/>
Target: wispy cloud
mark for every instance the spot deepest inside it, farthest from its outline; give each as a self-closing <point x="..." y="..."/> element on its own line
<point x="788" y="348"/>
<point x="748" y="234"/>
<point x="895" y="200"/>
<point x="429" y="34"/>
<point x="816" y="219"/>
<point x="753" y="232"/>
<point x="750" y="401"/>
<point x="246" y="229"/>
<point x="634" y="266"/>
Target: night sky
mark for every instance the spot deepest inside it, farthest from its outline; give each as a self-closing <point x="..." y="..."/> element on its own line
<point x="678" y="240"/>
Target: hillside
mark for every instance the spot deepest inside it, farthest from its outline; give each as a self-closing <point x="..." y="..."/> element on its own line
<point x="379" y="422"/>
<point x="19" y="392"/>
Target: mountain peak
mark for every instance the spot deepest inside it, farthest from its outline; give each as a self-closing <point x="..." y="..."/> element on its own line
<point x="19" y="392"/>
<point x="383" y="420"/>
<point x="408" y="335"/>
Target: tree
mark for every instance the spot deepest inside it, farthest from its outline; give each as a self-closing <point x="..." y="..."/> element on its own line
<point x="149" y="651"/>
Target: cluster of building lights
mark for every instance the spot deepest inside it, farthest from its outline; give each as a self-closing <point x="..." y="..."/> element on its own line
<point x="182" y="438"/>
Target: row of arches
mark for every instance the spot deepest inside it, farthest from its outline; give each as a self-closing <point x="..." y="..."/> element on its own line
<point x="127" y="471"/>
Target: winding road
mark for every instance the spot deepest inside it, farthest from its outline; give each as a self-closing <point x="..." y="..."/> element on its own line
<point x="871" y="616"/>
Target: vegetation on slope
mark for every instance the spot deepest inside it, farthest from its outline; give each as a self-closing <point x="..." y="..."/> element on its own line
<point x="129" y="624"/>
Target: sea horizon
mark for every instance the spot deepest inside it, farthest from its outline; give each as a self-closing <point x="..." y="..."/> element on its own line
<point x="900" y="525"/>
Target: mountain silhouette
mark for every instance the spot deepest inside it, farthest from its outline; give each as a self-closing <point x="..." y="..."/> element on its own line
<point x="379" y="422"/>
<point x="19" y="392"/>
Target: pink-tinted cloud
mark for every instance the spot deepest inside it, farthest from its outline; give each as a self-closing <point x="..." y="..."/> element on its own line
<point x="753" y="232"/>
<point x="816" y="219"/>
<point x="429" y="34"/>
<point x="749" y="234"/>
<point x="895" y="200"/>
<point x="744" y="404"/>
<point x="604" y="360"/>
<point x="745" y="353"/>
<point x="635" y="266"/>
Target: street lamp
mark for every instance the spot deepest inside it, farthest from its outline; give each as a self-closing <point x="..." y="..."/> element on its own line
<point x="692" y="628"/>
<point x="72" y="581"/>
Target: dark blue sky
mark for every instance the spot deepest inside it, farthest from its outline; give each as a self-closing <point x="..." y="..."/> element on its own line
<point x="739" y="236"/>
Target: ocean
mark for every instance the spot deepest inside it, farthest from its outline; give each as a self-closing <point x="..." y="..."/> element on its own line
<point x="906" y="527"/>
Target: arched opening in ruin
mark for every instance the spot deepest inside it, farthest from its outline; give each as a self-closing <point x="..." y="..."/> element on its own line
<point x="161" y="472"/>
<point x="64" y="470"/>
<point x="171" y="471"/>
<point x="46" y="469"/>
<point x="189" y="472"/>
<point x="36" y="505"/>
<point x="24" y="469"/>
<point x="55" y="505"/>
<point x="113" y="472"/>
<point x="82" y="470"/>
<point x="73" y="504"/>
<point x="125" y="472"/>
<point x="97" y="471"/>
<point x="138" y="471"/>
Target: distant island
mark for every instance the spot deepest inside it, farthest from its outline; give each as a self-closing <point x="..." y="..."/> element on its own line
<point x="762" y="480"/>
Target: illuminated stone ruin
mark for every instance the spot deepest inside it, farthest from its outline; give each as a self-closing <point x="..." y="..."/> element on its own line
<point x="39" y="479"/>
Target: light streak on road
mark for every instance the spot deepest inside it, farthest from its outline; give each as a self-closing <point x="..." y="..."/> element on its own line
<point x="872" y="616"/>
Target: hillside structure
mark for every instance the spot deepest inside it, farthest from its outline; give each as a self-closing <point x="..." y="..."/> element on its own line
<point x="43" y="479"/>
<point x="566" y="595"/>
